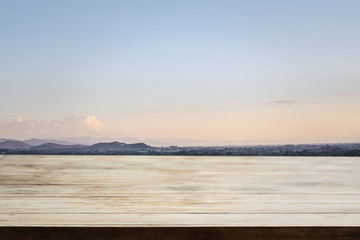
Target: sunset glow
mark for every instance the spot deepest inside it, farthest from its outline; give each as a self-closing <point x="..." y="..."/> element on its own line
<point x="216" y="72"/>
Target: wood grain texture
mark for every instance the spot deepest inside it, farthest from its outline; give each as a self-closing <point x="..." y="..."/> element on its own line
<point x="162" y="191"/>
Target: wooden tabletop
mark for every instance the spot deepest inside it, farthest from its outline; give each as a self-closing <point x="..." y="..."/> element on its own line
<point x="176" y="191"/>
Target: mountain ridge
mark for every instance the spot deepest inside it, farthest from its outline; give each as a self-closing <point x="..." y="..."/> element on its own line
<point x="38" y="141"/>
<point x="13" y="144"/>
<point x="121" y="148"/>
<point x="53" y="148"/>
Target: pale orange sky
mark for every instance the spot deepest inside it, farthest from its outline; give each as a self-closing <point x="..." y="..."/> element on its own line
<point x="226" y="72"/>
<point x="279" y="122"/>
<point x="282" y="122"/>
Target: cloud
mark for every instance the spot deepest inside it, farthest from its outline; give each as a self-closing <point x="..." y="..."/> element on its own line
<point x="284" y="102"/>
<point x="73" y="125"/>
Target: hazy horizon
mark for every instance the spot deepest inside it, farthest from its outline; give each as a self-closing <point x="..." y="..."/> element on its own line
<point x="157" y="142"/>
<point x="221" y="72"/>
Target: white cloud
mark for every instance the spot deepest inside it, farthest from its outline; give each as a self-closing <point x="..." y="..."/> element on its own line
<point x="73" y="125"/>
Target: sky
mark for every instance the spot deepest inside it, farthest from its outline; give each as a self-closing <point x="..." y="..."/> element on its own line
<point x="227" y="72"/>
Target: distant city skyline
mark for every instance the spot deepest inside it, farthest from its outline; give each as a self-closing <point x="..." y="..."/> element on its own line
<point x="221" y="72"/>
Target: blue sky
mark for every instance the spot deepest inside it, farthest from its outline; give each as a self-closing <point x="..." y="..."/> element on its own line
<point x="185" y="68"/>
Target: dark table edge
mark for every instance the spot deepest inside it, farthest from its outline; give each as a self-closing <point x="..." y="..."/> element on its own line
<point x="181" y="233"/>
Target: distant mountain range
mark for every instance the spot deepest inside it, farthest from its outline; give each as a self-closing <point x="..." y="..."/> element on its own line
<point x="44" y="146"/>
<point x="37" y="141"/>
<point x="13" y="144"/>
<point x="156" y="142"/>
<point x="23" y="147"/>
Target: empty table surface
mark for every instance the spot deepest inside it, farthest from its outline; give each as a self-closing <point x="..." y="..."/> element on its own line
<point x="177" y="191"/>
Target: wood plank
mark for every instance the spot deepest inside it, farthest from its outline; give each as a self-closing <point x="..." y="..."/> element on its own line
<point x="172" y="220"/>
<point x="94" y="189"/>
<point x="178" y="204"/>
<point x="130" y="191"/>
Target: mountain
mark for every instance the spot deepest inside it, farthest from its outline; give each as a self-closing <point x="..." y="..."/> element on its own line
<point x="108" y="146"/>
<point x="3" y="140"/>
<point x="118" y="146"/>
<point x="13" y="144"/>
<point x="37" y="141"/>
<point x="18" y="147"/>
<point x="55" y="146"/>
<point x="157" y="142"/>
<point x="85" y="140"/>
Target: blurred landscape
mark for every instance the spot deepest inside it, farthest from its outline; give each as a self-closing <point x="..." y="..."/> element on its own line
<point x="54" y="146"/>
